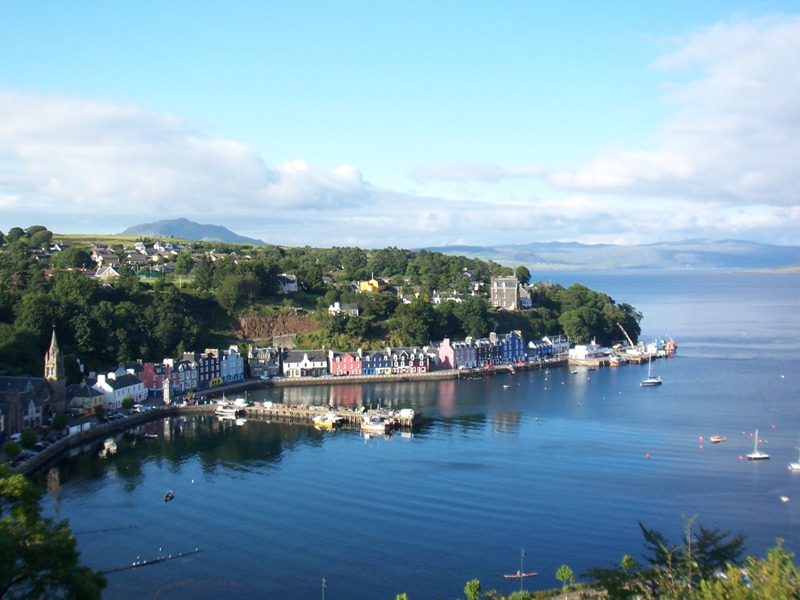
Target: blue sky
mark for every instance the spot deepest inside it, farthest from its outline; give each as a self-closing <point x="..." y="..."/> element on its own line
<point x="410" y="124"/>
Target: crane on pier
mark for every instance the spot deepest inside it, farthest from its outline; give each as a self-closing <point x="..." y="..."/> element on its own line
<point x="630" y="341"/>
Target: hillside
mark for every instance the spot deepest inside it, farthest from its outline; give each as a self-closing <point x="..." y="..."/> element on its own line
<point x="185" y="229"/>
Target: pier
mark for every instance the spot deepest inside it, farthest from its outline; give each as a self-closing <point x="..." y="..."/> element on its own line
<point x="304" y="414"/>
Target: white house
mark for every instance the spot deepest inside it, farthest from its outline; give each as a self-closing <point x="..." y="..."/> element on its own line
<point x="118" y="385"/>
<point x="287" y="283"/>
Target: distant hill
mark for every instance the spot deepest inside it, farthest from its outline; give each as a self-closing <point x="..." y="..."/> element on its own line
<point x="687" y="254"/>
<point x="189" y="230"/>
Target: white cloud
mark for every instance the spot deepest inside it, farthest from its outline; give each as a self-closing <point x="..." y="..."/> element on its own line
<point x="116" y="163"/>
<point x="736" y="132"/>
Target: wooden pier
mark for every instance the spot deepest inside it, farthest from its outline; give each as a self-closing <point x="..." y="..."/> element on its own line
<point x="304" y="414"/>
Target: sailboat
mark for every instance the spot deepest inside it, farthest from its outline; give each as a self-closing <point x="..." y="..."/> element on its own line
<point x="756" y="454"/>
<point x="795" y="466"/>
<point x="651" y="379"/>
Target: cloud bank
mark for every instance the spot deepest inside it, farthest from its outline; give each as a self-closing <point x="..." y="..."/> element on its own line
<point x="723" y="165"/>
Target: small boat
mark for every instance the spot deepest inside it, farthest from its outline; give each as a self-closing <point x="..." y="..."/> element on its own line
<point x="716" y="439"/>
<point x="151" y="436"/>
<point x="651" y="380"/>
<point x="795" y="466"/>
<point x="225" y="409"/>
<point x="574" y="371"/>
<point x="506" y="386"/>
<point x="377" y="424"/>
<point x="520" y="575"/>
<point x="756" y="454"/>
<point x="329" y="420"/>
<point x="169" y="496"/>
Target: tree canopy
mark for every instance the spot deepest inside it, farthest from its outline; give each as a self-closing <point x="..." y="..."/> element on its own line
<point x="38" y="557"/>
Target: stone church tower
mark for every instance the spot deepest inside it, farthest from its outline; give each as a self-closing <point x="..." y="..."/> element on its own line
<point x="54" y="375"/>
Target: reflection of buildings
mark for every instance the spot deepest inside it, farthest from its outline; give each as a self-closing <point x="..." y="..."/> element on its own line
<point x="447" y="397"/>
<point x="346" y="395"/>
<point x="506" y="422"/>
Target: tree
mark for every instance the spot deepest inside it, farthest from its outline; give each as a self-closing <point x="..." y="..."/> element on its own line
<point x="14" y="234"/>
<point x="11" y="449"/>
<point x="127" y="402"/>
<point x="775" y="577"/>
<point x="565" y="575"/>
<point x="473" y="590"/>
<point x="38" y="558"/>
<point x="28" y="439"/>
<point x="523" y="274"/>
<point x="59" y="422"/>
<point x="100" y="412"/>
<point x="184" y="263"/>
<point x="203" y="274"/>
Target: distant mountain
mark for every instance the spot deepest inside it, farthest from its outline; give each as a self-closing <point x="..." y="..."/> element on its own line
<point x="189" y="230"/>
<point x="687" y="254"/>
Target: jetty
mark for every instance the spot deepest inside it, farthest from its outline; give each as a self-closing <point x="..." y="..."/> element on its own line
<point x="304" y="414"/>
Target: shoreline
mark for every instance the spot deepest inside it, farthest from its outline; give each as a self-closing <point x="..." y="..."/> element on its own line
<point x="45" y="457"/>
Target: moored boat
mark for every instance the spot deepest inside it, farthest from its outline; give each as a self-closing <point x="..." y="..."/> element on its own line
<point x="795" y="466"/>
<point x="756" y="454"/>
<point x="225" y="409"/>
<point x="329" y="420"/>
<point x="377" y="424"/>
<point x="651" y="380"/>
<point x="716" y="439"/>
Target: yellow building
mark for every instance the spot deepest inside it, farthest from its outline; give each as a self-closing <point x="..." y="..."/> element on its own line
<point x="373" y="286"/>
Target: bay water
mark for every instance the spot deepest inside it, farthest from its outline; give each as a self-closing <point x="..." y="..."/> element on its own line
<point x="562" y="464"/>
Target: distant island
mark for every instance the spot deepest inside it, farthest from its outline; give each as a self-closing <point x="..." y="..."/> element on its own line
<point x="686" y="254"/>
<point x="185" y="229"/>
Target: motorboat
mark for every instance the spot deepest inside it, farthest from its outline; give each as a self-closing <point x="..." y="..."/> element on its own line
<point x="756" y="454"/>
<point x="377" y="424"/>
<point x="169" y="496"/>
<point x="329" y="420"/>
<point x="226" y="409"/>
<point x="716" y="439"/>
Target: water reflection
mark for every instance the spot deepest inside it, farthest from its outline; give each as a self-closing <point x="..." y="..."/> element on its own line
<point x="238" y="445"/>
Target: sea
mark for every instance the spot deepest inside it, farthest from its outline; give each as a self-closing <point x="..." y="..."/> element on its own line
<point x="528" y="471"/>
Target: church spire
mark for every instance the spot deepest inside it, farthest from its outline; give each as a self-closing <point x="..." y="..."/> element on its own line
<point x="54" y="373"/>
<point x="54" y="361"/>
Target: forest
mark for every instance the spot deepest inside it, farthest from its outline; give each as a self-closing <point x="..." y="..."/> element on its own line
<point x="202" y="297"/>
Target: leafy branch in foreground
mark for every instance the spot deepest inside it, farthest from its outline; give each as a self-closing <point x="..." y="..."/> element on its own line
<point x="38" y="558"/>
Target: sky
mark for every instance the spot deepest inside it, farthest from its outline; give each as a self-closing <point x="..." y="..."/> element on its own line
<point x="409" y="124"/>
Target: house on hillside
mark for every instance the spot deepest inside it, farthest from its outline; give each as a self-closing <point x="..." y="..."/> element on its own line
<point x="287" y="283"/>
<point x="349" y="309"/>
<point x="505" y="292"/>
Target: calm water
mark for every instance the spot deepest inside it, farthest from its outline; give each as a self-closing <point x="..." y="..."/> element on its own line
<point x="561" y="464"/>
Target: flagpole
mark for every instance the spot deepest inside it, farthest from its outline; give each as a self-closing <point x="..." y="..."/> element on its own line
<point x="521" y="568"/>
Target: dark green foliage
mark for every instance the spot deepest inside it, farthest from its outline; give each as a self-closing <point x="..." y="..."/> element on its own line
<point x="135" y="320"/>
<point x="38" y="557"/>
<point x="672" y="569"/>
